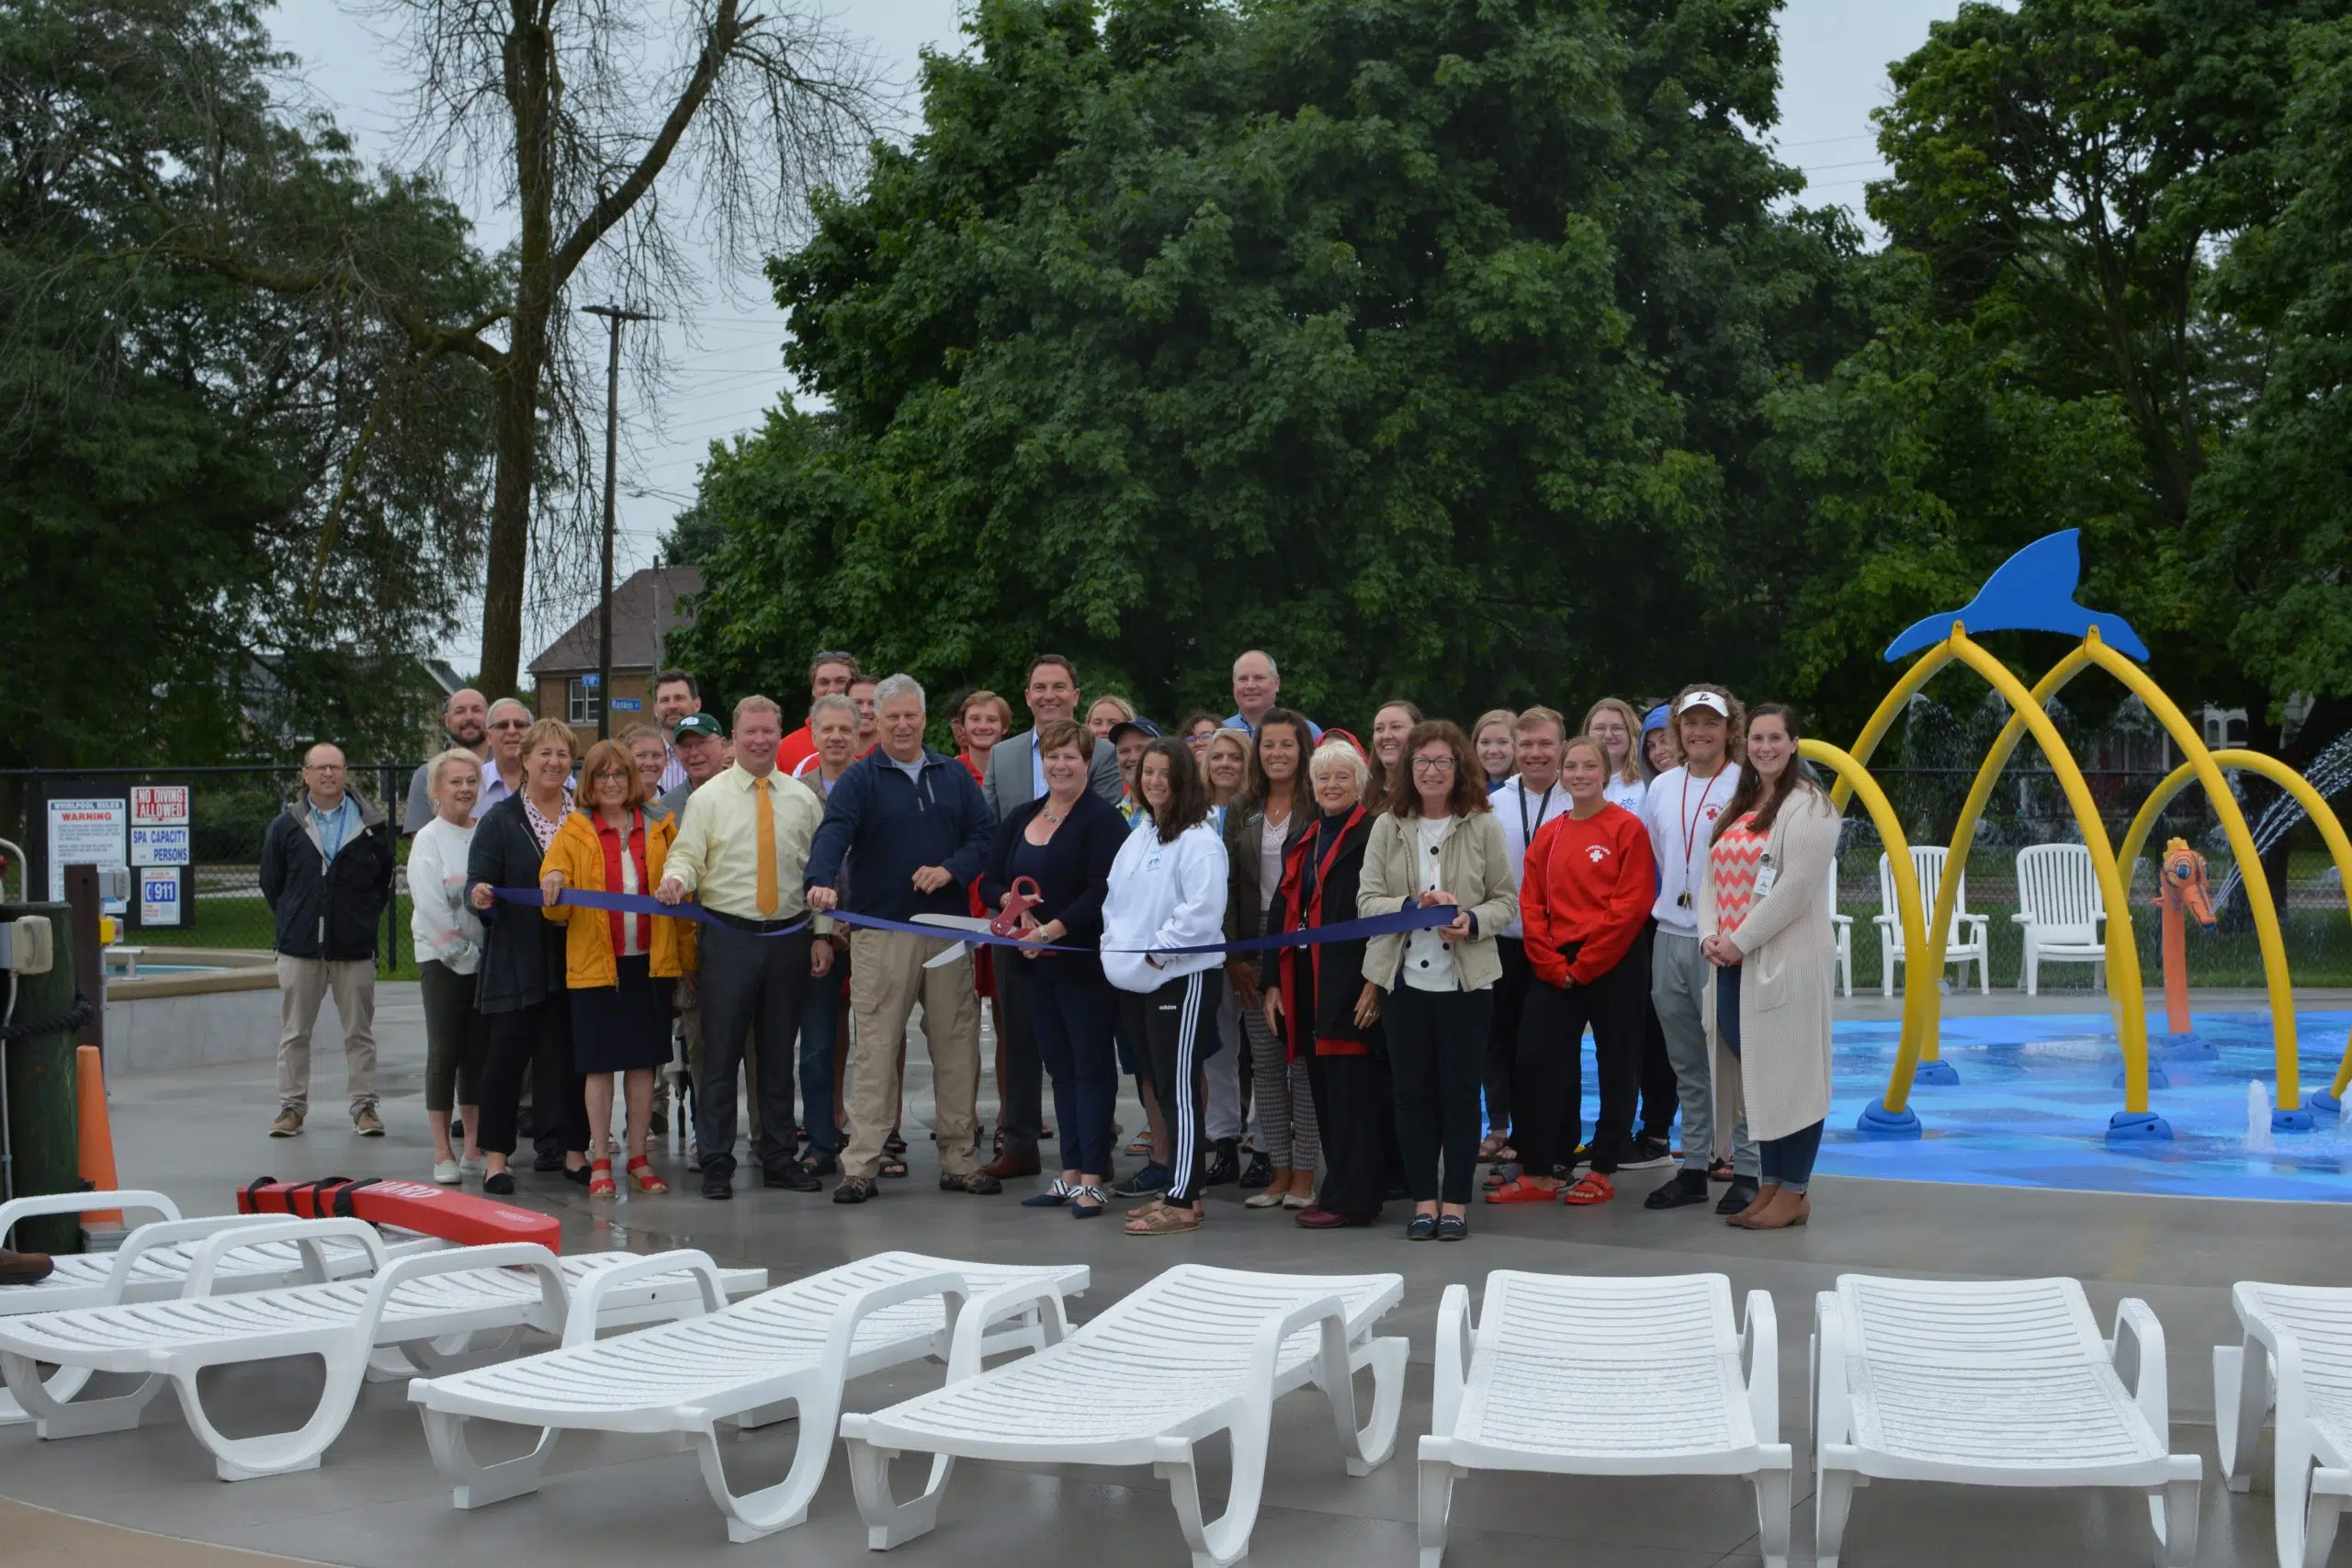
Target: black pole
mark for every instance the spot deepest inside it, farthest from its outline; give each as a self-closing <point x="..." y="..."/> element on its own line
<point x="614" y="316"/>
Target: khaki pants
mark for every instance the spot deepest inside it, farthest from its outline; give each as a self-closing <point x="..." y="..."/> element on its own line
<point x="688" y="997"/>
<point x="302" y="985"/>
<point x="886" y="979"/>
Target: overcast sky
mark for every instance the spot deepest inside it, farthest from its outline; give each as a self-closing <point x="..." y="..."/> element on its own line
<point x="1833" y="60"/>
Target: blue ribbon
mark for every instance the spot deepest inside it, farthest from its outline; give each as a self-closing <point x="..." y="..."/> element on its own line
<point x="1412" y="917"/>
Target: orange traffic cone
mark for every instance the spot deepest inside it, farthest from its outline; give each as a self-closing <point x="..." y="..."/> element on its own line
<point x="96" y="1132"/>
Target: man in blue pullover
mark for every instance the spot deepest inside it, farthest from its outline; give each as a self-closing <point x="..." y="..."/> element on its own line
<point x="911" y="829"/>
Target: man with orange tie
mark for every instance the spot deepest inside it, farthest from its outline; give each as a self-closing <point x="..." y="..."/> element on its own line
<point x="742" y="848"/>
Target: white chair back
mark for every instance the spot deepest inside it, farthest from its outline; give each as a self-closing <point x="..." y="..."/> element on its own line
<point x="1928" y="865"/>
<point x="2058" y="891"/>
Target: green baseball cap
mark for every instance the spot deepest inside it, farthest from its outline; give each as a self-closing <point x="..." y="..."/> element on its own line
<point x="697" y="723"/>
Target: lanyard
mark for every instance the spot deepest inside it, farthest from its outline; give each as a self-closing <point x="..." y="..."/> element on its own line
<point x="1691" y="826"/>
<point x="1543" y="809"/>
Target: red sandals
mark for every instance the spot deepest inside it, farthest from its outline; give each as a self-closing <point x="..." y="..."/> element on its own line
<point x="1590" y="1187"/>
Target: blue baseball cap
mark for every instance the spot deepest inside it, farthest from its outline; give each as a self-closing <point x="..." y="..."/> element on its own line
<point x="1656" y="719"/>
<point x="1141" y="725"/>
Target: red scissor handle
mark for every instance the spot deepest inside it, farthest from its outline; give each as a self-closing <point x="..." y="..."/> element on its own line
<point x="1025" y="897"/>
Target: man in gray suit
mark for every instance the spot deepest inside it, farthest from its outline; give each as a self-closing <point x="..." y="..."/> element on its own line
<point x="1014" y="778"/>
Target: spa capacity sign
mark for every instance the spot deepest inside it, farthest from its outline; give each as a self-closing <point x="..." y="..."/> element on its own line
<point x="159" y="825"/>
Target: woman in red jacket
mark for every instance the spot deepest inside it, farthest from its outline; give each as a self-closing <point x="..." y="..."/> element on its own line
<point x="1589" y="884"/>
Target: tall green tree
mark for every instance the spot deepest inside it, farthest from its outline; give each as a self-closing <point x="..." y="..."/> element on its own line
<point x="2056" y="349"/>
<point x="1422" y="342"/>
<point x="230" y="514"/>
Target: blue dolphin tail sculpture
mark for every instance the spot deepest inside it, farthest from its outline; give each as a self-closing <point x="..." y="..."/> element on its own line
<point x="2034" y="590"/>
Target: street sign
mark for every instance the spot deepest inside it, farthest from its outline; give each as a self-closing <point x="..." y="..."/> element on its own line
<point x="158" y="806"/>
<point x="592" y="680"/>
<point x="628" y="704"/>
<point x="160" y="901"/>
<point x="158" y="846"/>
<point x="87" y="832"/>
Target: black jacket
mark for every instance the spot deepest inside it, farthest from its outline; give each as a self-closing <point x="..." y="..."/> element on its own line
<point x="326" y="909"/>
<point x="1323" y="982"/>
<point x="522" y="951"/>
<point x="1245" y="833"/>
<point x="887" y="829"/>
<point x="1075" y="875"/>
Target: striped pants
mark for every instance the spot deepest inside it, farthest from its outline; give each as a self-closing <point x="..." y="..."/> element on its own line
<point x="1173" y="1026"/>
<point x="1283" y="1097"/>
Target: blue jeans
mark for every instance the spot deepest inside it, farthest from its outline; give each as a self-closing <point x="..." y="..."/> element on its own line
<point x="1071" y="1006"/>
<point x="819" y="1020"/>
<point x="1788" y="1161"/>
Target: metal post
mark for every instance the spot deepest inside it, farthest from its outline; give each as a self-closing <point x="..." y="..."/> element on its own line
<point x="614" y="316"/>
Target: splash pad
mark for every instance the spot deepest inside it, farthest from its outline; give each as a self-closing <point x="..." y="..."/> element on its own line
<point x="2034" y="591"/>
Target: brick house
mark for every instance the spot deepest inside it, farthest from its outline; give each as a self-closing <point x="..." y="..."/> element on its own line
<point x="645" y="612"/>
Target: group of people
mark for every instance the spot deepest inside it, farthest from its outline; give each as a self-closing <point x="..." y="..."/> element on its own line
<point x="1658" y="880"/>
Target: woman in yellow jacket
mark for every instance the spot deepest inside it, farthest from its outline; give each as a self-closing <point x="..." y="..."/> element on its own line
<point x="618" y="967"/>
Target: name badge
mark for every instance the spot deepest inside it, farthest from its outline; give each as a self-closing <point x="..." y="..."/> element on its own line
<point x="1765" y="877"/>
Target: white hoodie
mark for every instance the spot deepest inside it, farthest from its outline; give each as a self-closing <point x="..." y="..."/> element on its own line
<point x="1160" y="897"/>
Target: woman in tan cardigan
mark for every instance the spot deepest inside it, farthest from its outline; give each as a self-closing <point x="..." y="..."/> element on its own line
<point x="1764" y="924"/>
<point x="1437" y="843"/>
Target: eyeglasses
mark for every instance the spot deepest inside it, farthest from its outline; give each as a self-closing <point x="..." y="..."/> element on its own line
<point x="323" y="767"/>
<point x="509" y="723"/>
<point x="623" y="774"/>
<point x="1432" y="764"/>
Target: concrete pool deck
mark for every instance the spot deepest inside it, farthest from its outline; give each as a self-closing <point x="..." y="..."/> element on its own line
<point x="199" y="1131"/>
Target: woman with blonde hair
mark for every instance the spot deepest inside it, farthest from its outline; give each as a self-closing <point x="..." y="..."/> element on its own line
<point x="1612" y="722"/>
<point x="519" y="984"/>
<point x="1491" y="738"/>
<point x="1225" y="768"/>
<point x="448" y="950"/>
<point x="1105" y="714"/>
<point x="618" y="967"/>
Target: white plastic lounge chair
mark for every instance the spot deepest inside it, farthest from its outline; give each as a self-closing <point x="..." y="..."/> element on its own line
<point x="417" y="1306"/>
<point x="1569" y="1375"/>
<point x="2060" y="913"/>
<point x="1969" y="940"/>
<point x="1841" y="928"/>
<point x="1194" y="1352"/>
<point x="796" y="1345"/>
<point x="153" y="1264"/>
<point x="2297" y="1354"/>
<point x="2003" y="1383"/>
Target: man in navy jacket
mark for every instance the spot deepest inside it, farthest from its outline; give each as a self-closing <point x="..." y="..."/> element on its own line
<point x="910" y="830"/>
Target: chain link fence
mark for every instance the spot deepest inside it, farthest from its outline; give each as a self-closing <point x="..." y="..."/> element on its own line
<point x="231" y="807"/>
<point x="218" y="903"/>
<point x="2029" y="808"/>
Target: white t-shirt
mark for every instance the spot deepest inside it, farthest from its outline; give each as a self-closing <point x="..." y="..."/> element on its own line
<point x="1269" y="860"/>
<point x="1522" y="812"/>
<point x="1679" y="811"/>
<point x="1428" y="961"/>
<point x="1618" y="792"/>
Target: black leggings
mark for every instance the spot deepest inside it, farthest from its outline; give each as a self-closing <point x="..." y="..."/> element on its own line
<point x="1660" y="1091"/>
<point x="1502" y="1032"/>
<point x="1551" y="1065"/>
<point x="536" y="1038"/>
<point x="1176" y="1027"/>
<point x="1437" y="1049"/>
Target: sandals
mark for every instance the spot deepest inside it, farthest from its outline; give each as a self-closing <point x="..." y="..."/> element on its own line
<point x="1502" y="1174"/>
<point x="641" y="1177"/>
<point x="1163" y="1219"/>
<point x="1139" y="1147"/>
<point x="894" y="1144"/>
<point x="600" y="1179"/>
<point x="891" y="1164"/>
<point x="1719" y="1171"/>
<point x="1590" y="1187"/>
<point x="1496" y="1146"/>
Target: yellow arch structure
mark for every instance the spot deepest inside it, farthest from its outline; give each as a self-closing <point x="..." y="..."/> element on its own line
<point x="2027" y="715"/>
<point x="2314" y="806"/>
<point x="1918" y="1004"/>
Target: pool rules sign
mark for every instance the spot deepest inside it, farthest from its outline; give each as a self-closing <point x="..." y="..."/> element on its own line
<point x="161" y="864"/>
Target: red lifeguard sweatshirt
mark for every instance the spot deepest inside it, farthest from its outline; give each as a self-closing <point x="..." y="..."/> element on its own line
<point x="1590" y="882"/>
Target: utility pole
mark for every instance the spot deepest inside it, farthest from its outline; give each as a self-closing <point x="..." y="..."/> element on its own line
<point x="614" y="316"/>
